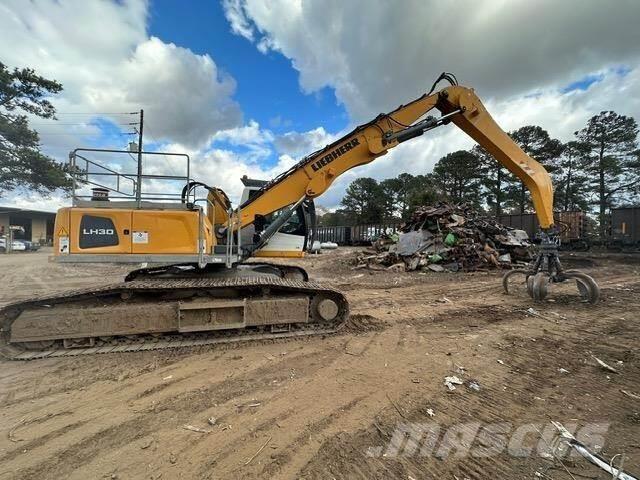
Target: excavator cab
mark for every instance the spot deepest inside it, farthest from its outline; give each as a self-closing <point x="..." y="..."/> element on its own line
<point x="293" y="238"/>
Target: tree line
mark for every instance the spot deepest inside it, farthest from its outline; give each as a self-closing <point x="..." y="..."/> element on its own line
<point x="596" y="170"/>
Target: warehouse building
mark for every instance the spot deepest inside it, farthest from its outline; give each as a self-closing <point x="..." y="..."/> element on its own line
<point x="37" y="226"/>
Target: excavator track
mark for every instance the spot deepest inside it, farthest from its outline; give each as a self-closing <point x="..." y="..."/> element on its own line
<point x="154" y="314"/>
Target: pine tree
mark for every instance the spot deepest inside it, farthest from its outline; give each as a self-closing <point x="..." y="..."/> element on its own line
<point x="406" y="191"/>
<point x="571" y="180"/>
<point x="498" y="182"/>
<point x="458" y="176"/>
<point x="612" y="163"/>
<point x="364" y="201"/>
<point x="535" y="142"/>
<point x="21" y="162"/>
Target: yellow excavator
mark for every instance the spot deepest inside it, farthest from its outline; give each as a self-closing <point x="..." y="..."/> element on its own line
<point x="202" y="290"/>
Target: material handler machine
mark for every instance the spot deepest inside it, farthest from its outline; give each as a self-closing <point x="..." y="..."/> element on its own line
<point x="200" y="288"/>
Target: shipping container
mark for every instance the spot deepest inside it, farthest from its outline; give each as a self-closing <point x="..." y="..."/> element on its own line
<point x="571" y="224"/>
<point x="355" y="235"/>
<point x="521" y="221"/>
<point x="340" y="235"/>
<point x="365" y="234"/>
<point x="625" y="227"/>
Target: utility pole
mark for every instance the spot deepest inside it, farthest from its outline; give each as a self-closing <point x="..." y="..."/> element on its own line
<point x="139" y="189"/>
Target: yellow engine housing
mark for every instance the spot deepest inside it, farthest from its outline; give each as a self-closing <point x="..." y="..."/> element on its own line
<point x="114" y="231"/>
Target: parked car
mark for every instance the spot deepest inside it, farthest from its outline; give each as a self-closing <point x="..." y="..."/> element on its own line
<point x="16" y="245"/>
<point x="30" y="246"/>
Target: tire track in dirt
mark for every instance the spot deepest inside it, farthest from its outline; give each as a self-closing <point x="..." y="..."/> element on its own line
<point x="187" y="403"/>
<point x="237" y="437"/>
<point x="328" y="415"/>
<point x="316" y="428"/>
<point x="492" y="404"/>
<point x="280" y="412"/>
<point x="343" y="455"/>
<point x="43" y="439"/>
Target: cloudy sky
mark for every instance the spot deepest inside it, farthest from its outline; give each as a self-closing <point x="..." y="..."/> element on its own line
<point x="249" y="86"/>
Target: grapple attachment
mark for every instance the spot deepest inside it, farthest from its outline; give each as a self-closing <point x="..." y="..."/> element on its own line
<point x="546" y="269"/>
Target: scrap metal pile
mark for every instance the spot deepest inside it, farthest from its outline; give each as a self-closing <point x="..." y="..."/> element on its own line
<point x="447" y="237"/>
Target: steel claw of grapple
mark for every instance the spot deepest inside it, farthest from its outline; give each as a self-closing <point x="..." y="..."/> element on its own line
<point x="511" y="273"/>
<point x="587" y="286"/>
<point x="547" y="269"/>
<point x="537" y="286"/>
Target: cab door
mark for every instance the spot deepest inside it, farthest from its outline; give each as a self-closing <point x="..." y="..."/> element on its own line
<point x="100" y="230"/>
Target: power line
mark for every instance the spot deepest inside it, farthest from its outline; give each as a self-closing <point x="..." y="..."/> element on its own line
<point x="52" y="124"/>
<point x="96" y="113"/>
<point x="85" y="134"/>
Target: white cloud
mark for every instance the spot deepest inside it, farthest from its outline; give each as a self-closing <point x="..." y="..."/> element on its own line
<point x="377" y="54"/>
<point x="240" y="24"/>
<point x="255" y="141"/>
<point x="250" y="133"/>
<point x="303" y="143"/>
<point x="100" y="51"/>
<point x="33" y="201"/>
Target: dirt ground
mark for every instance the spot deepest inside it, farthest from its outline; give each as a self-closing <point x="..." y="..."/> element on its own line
<point x="327" y="407"/>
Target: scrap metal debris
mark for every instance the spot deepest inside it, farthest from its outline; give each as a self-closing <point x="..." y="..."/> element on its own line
<point x="195" y="429"/>
<point x="604" y="365"/>
<point x="258" y="452"/>
<point x="630" y="395"/>
<point x="597" y="460"/>
<point x="448" y="237"/>
<point x="473" y="385"/>
<point x="451" y="382"/>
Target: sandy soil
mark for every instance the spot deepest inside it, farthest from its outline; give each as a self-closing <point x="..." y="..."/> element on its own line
<point x="317" y="408"/>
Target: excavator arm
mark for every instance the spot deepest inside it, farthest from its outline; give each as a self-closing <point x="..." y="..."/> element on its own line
<point x="314" y="174"/>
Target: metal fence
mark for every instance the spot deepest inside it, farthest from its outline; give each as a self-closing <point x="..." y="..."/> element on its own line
<point x="357" y="234"/>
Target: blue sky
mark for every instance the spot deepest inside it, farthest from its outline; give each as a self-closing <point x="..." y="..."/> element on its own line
<point x="267" y="85"/>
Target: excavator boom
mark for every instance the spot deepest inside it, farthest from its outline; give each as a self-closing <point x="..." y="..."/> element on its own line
<point x="314" y="174"/>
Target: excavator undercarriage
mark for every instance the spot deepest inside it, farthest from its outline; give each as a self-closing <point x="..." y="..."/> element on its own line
<point x="174" y="309"/>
